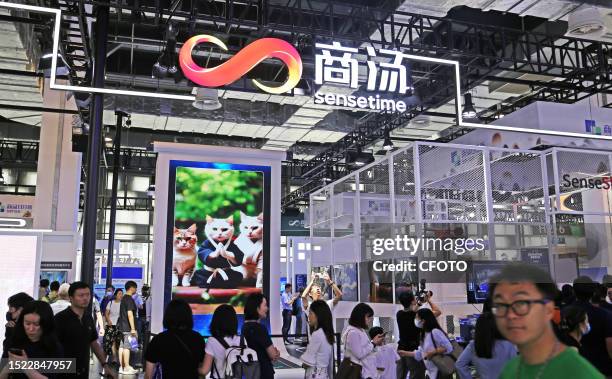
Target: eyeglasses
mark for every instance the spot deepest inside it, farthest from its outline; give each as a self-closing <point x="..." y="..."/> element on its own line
<point x="519" y="307"/>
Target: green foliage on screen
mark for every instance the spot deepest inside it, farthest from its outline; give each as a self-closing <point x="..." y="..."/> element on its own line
<point x="218" y="193"/>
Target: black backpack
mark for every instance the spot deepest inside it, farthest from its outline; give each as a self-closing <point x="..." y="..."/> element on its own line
<point x="295" y="307"/>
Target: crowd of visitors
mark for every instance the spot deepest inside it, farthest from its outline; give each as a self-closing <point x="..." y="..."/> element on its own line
<point x="528" y="329"/>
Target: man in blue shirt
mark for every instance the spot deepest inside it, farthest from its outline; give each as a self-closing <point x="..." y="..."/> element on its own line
<point x="287" y="302"/>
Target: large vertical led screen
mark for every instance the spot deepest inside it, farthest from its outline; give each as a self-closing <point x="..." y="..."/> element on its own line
<point x="218" y="245"/>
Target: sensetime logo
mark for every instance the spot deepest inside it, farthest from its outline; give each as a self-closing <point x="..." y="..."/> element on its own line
<point x="602" y="182"/>
<point x="241" y="63"/>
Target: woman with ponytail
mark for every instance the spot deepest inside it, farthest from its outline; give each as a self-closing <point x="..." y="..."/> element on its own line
<point x="574" y="324"/>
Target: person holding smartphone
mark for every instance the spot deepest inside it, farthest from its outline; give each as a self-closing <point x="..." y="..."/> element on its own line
<point x="359" y="348"/>
<point x="15" y="306"/>
<point x="34" y="337"/>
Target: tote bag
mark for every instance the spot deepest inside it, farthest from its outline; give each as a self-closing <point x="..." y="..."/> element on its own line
<point x="446" y="362"/>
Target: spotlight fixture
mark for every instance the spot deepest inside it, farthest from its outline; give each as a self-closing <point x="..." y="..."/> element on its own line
<point x="82" y="99"/>
<point x="151" y="189"/>
<point x="468" y="106"/>
<point x="358" y="158"/>
<point x="387" y="144"/>
<point x="44" y="65"/>
<point x="166" y="64"/>
<point x="207" y="99"/>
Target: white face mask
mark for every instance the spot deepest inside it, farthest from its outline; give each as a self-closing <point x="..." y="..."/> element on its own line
<point x="418" y="323"/>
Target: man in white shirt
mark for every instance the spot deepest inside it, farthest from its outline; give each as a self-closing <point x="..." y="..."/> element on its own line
<point x="287" y="302"/>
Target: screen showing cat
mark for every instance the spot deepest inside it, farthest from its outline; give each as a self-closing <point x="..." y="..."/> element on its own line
<point x="218" y="240"/>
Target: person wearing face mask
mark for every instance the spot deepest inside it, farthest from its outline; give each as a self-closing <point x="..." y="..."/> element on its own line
<point x="408" y="338"/>
<point x="108" y="296"/>
<point x="359" y="349"/>
<point x="15" y="304"/>
<point x="574" y="325"/>
<point x="34" y="337"/>
<point x="433" y="341"/>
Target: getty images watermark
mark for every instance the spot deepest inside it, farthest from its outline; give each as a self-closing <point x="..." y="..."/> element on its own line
<point x="403" y="244"/>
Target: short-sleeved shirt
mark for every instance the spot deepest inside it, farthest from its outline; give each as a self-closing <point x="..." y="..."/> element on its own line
<point x="409" y="334"/>
<point x="285" y="299"/>
<point x="127" y="304"/>
<point x="593" y="344"/>
<point x="217" y="351"/>
<point x="180" y="353"/>
<point x="75" y="336"/>
<point x="568" y="364"/>
<point x="258" y="339"/>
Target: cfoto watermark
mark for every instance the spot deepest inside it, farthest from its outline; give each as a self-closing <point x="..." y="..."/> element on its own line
<point x="411" y="266"/>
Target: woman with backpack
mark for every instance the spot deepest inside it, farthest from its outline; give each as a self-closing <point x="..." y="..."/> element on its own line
<point x="179" y="350"/>
<point x="224" y="333"/>
<point x="317" y="358"/>
<point x="433" y="341"/>
<point x="256" y="335"/>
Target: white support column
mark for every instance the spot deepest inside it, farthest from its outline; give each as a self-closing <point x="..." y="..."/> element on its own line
<point x="56" y="205"/>
<point x="550" y="231"/>
<point x="488" y="189"/>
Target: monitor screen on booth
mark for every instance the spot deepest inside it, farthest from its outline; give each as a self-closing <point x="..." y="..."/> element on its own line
<point x="217" y="245"/>
<point x="478" y="275"/>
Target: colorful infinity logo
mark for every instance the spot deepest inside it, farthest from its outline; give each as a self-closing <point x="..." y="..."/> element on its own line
<point x="244" y="61"/>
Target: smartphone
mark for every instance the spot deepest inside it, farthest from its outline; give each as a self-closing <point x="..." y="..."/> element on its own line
<point x="15" y="351"/>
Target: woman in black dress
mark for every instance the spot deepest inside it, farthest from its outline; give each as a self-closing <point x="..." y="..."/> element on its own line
<point x="256" y="335"/>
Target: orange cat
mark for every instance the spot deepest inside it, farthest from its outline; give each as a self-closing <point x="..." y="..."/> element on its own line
<point x="184" y="257"/>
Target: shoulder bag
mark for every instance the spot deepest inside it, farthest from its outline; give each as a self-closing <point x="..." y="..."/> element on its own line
<point x="348" y="369"/>
<point x="446" y="362"/>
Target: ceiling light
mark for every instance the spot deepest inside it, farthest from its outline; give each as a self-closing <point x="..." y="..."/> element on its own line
<point x="586" y="22"/>
<point x="468" y="106"/>
<point x="387" y="144"/>
<point x="207" y="99"/>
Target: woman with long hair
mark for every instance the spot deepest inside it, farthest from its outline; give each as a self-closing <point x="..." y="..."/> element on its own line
<point x="34" y="337"/>
<point x="224" y="333"/>
<point x="574" y="325"/>
<point x="179" y="350"/>
<point x="112" y="336"/>
<point x="358" y="347"/>
<point x="256" y="335"/>
<point x="318" y="357"/>
<point x="488" y="352"/>
<point x="433" y="341"/>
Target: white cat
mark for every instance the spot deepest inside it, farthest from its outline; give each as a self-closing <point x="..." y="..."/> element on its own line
<point x="250" y="242"/>
<point x="219" y="233"/>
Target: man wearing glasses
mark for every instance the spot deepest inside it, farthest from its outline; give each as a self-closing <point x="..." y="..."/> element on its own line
<point x="523" y="308"/>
